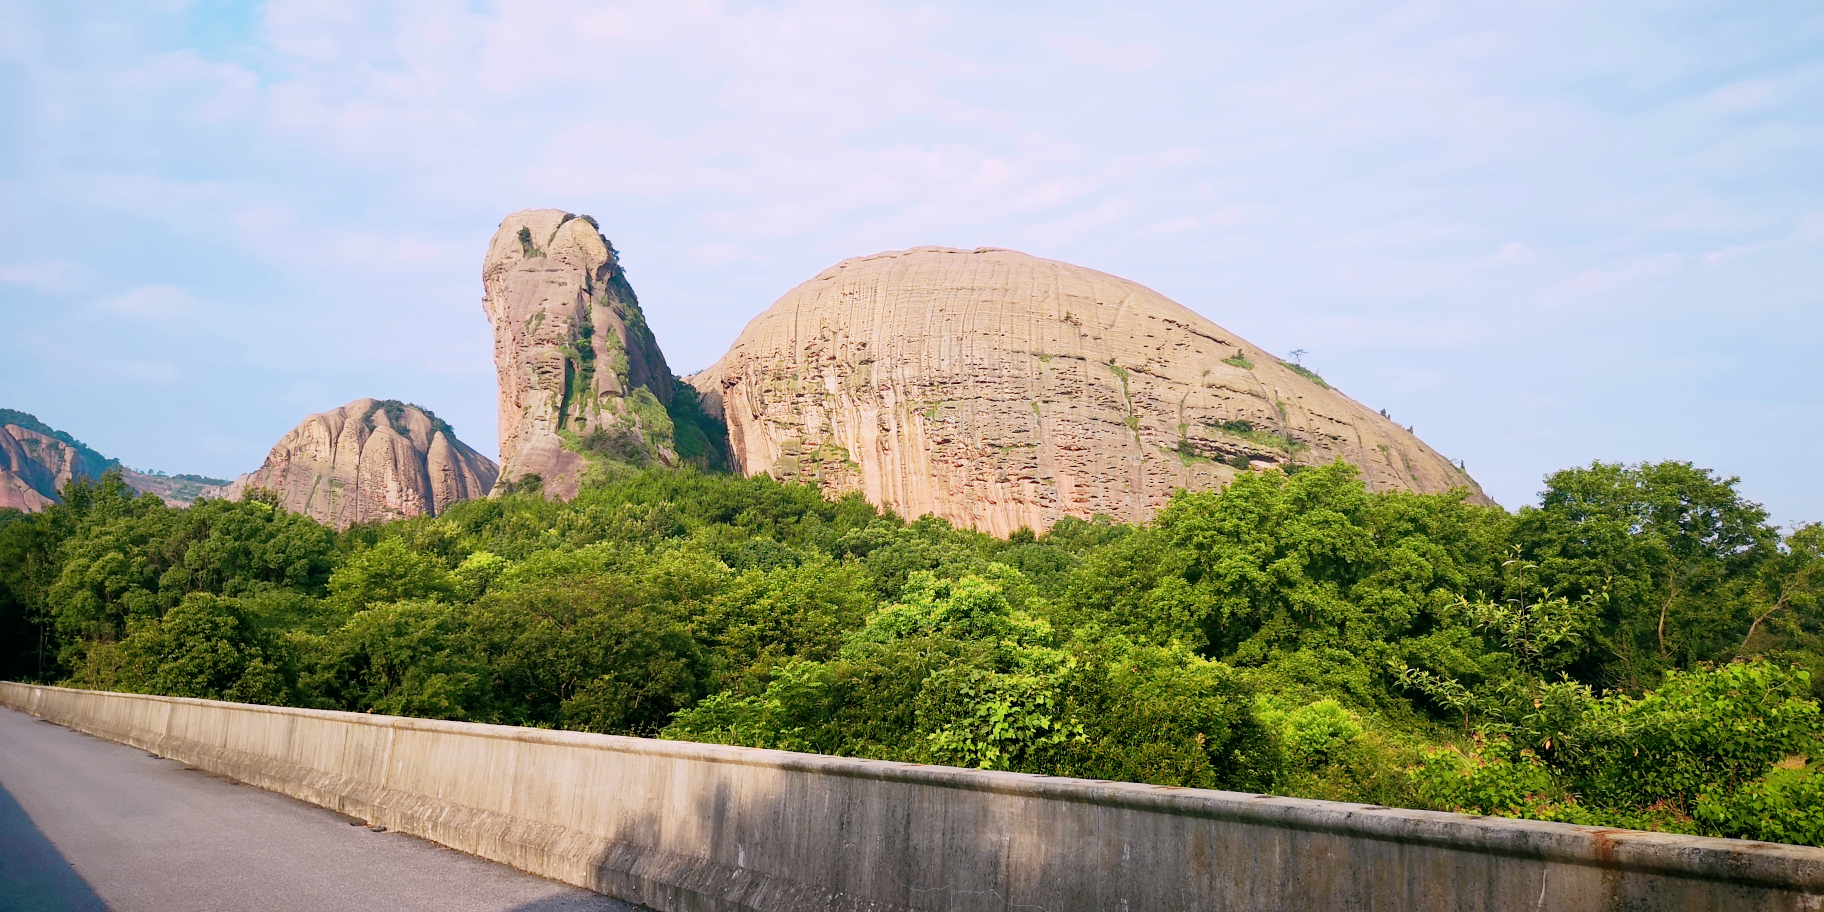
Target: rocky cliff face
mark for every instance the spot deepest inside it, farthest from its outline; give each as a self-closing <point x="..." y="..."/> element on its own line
<point x="34" y="466"/>
<point x="175" y="490"/>
<point x="36" y="461"/>
<point x="579" y="370"/>
<point x="370" y="460"/>
<point x="999" y="390"/>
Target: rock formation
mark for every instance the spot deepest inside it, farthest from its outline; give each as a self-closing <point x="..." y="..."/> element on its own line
<point x="579" y="370"/>
<point x="370" y="460"/>
<point x="1000" y="390"/>
<point x="175" y="490"/>
<point x="36" y="462"/>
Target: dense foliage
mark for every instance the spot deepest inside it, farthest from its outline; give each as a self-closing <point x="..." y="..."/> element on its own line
<point x="1642" y="649"/>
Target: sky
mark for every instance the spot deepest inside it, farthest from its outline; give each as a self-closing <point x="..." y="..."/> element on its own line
<point x="1539" y="233"/>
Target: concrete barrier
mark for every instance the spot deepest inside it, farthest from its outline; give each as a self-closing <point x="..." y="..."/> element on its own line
<point x="684" y="827"/>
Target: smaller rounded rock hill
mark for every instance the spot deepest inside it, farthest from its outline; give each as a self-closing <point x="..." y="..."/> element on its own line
<point x="370" y="460"/>
<point x="1000" y="390"/>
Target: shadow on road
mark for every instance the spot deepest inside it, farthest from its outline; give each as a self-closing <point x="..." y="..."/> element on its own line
<point x="572" y="903"/>
<point x="34" y="876"/>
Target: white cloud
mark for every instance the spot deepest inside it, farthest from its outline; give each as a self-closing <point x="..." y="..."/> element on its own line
<point x="53" y="276"/>
<point x="1073" y="226"/>
<point x="1174" y="226"/>
<point x="1362" y="174"/>
<point x="1171" y="158"/>
<point x="717" y="254"/>
<point x="150" y="304"/>
<point x="1592" y="283"/>
<point x="141" y="371"/>
<point x="1094" y="52"/>
<point x="1717" y="258"/>
<point x="1811" y="227"/>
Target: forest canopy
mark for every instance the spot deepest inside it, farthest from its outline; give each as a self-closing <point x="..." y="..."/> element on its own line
<point x="1641" y="649"/>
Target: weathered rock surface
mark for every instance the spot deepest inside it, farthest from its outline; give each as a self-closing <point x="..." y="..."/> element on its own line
<point x="37" y="460"/>
<point x="175" y="490"/>
<point x="578" y="366"/>
<point x="1000" y="390"/>
<point x="370" y="460"/>
<point x="35" y="465"/>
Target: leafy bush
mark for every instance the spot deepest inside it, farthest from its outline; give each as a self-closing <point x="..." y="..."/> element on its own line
<point x="1292" y="633"/>
<point x="204" y="648"/>
<point x="1305" y="372"/>
<point x="1785" y="805"/>
<point x="1703" y="753"/>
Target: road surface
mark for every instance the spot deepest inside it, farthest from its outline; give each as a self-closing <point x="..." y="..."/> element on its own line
<point x="88" y="824"/>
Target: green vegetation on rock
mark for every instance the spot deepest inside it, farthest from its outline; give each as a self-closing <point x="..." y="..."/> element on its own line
<point x="30" y="422"/>
<point x="394" y="410"/>
<point x="1304" y="372"/>
<point x="702" y="438"/>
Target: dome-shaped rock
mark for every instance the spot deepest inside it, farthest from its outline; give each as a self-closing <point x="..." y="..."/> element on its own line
<point x="370" y="460"/>
<point x="999" y="390"/>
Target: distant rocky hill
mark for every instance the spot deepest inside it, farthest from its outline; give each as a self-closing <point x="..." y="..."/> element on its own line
<point x="578" y="367"/>
<point x="36" y="461"/>
<point x="176" y="490"/>
<point x="1000" y="390"/>
<point x="370" y="460"/>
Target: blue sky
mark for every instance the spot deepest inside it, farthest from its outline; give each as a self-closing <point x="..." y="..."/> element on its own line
<point x="1541" y="233"/>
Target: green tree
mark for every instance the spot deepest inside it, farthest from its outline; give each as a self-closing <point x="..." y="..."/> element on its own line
<point x="402" y="658"/>
<point x="389" y="572"/>
<point x="1671" y="548"/>
<point x="1787" y="595"/>
<point x="766" y="619"/>
<point x="1327" y="587"/>
<point x="596" y="639"/>
<point x="203" y="648"/>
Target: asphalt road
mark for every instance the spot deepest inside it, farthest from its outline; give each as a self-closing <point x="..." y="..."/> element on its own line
<point x="87" y="824"/>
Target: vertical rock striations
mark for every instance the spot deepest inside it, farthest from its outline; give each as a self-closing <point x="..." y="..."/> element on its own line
<point x="36" y="462"/>
<point x="579" y="370"/>
<point x="370" y="460"/>
<point x="999" y="390"/>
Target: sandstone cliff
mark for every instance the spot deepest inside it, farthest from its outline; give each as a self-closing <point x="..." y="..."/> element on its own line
<point x="578" y="367"/>
<point x="370" y="460"/>
<point x="36" y="461"/>
<point x="35" y="465"/>
<point x="999" y="390"/>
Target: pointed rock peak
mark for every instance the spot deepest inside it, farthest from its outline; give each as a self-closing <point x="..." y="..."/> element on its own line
<point x="371" y="460"/>
<point x="580" y="373"/>
<point x="1000" y="390"/>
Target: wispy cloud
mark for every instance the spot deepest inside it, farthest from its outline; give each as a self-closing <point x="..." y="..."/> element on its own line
<point x="717" y="254"/>
<point x="141" y="371"/>
<point x="149" y="304"/>
<point x="1094" y="52"/>
<point x="53" y="276"/>
<point x="1450" y="202"/>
